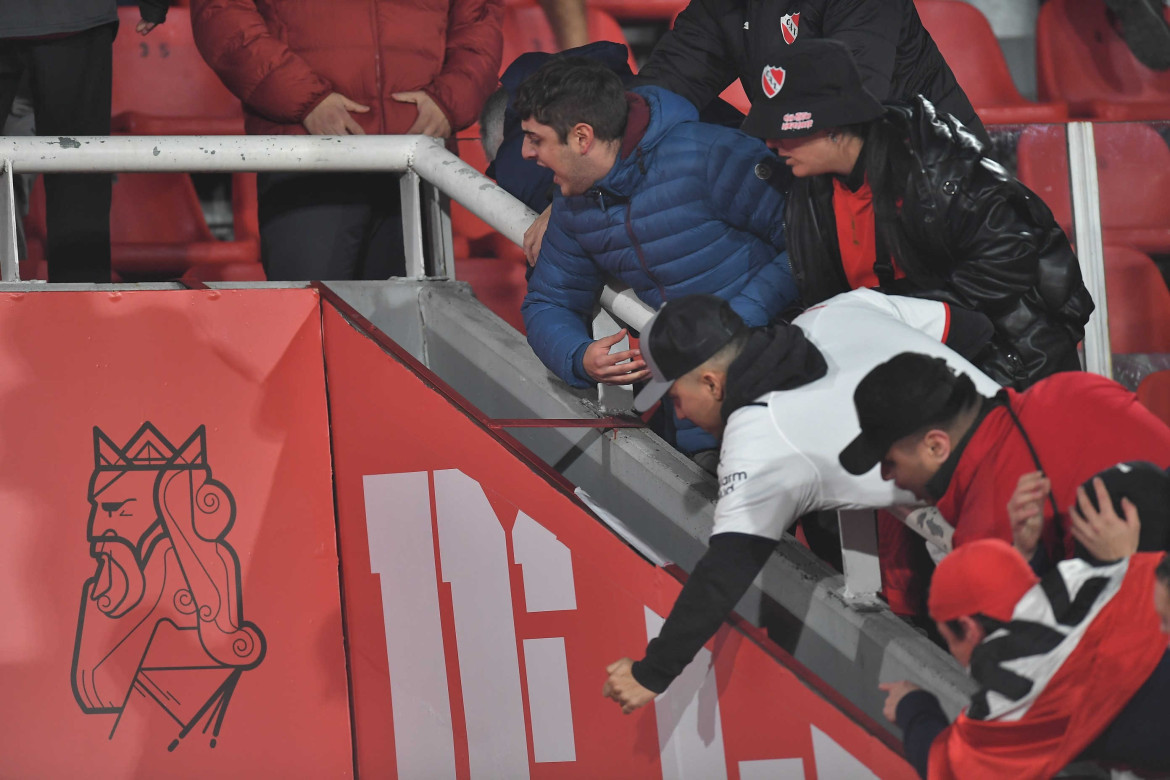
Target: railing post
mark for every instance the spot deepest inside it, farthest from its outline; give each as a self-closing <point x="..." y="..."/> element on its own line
<point x="859" y="557"/>
<point x="612" y="398"/>
<point x="412" y="234"/>
<point x="1086" y="209"/>
<point x="9" y="259"/>
<point x="438" y="225"/>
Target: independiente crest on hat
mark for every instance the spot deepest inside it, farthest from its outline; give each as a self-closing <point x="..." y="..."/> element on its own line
<point x="772" y="80"/>
<point x="790" y="26"/>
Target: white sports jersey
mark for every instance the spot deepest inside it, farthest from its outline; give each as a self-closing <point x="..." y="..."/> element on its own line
<point x="779" y="455"/>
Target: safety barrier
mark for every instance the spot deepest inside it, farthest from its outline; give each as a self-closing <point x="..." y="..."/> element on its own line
<point x="428" y="169"/>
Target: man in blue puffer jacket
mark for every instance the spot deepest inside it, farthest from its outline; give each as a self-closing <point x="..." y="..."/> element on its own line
<point x="654" y="198"/>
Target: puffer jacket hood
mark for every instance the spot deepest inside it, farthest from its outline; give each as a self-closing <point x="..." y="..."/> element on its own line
<point x="666" y="111"/>
<point x="776" y="357"/>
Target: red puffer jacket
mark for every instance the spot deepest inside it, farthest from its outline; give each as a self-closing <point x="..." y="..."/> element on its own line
<point x="283" y="57"/>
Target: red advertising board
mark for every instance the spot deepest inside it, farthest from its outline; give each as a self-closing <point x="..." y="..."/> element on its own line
<point x="169" y="584"/>
<point x="168" y="581"/>
<point x="483" y="603"/>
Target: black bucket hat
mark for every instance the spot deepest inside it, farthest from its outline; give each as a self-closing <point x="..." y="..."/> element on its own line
<point x="807" y="86"/>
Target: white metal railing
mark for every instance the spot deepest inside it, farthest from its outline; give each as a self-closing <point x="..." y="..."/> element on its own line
<point x="426" y="169"/>
<point x="421" y="161"/>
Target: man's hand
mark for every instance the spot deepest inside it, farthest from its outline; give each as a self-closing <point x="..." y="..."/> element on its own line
<point x="331" y="116"/>
<point x="624" y="689"/>
<point x="1106" y="536"/>
<point x="431" y="119"/>
<point x="1026" y="512"/>
<point x="895" y="692"/>
<point x="609" y="369"/>
<point x="534" y="235"/>
<point x="143" y="27"/>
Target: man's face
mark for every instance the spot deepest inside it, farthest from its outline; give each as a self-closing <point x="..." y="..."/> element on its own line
<point x="564" y="159"/>
<point x="910" y="465"/>
<point x="1162" y="603"/>
<point x="962" y="647"/>
<point x="809" y="155"/>
<point x="698" y="399"/>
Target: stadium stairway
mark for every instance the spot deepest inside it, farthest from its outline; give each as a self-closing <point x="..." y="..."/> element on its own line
<point x="481" y="591"/>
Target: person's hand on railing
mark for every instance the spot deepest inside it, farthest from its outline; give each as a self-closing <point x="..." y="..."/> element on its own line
<point x="431" y="119"/>
<point x="331" y="116"/>
<point x="610" y="369"/>
<point x="534" y="235"/>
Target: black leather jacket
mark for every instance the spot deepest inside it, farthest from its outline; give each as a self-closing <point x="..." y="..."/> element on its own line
<point x="981" y="239"/>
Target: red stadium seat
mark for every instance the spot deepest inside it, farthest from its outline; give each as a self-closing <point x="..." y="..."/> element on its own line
<point x="1154" y="394"/>
<point x="967" y="42"/>
<point x="1133" y="171"/>
<point x="492" y="264"/>
<point x="157" y="230"/>
<point x="498" y="283"/>
<point x="1139" y="302"/>
<point x="162" y="86"/>
<point x="473" y="236"/>
<point x="526" y="29"/>
<point x="1081" y="59"/>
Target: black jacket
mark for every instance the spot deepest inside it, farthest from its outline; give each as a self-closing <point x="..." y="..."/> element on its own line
<point x="716" y="41"/>
<point x="979" y="239"/>
<point x="37" y="18"/>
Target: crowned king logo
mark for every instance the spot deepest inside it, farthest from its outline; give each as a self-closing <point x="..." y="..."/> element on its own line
<point x="772" y="80"/>
<point x="790" y="26"/>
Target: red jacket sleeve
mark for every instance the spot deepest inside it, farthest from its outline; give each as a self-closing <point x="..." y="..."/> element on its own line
<point x="471" y="64"/>
<point x="256" y="66"/>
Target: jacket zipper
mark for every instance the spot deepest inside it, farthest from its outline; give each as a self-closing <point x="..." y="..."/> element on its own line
<point x="378" y="68"/>
<point x="638" y="250"/>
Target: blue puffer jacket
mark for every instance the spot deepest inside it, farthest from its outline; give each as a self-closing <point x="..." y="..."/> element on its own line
<point x="694" y="208"/>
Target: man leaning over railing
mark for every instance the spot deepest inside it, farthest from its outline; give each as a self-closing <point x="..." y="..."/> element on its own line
<point x="652" y="197"/>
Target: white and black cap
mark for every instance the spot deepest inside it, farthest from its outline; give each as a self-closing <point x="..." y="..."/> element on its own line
<point x="680" y="337"/>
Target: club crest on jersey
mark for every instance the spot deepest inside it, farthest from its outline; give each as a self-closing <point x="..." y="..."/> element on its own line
<point x="772" y="79"/>
<point x="790" y="26"/>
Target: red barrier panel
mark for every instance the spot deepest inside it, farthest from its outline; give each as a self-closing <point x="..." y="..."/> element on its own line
<point x="168" y="581"/>
<point x="169" y="588"/>
<point x="483" y="602"/>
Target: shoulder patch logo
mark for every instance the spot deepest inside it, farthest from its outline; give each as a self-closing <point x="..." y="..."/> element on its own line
<point x="772" y="79"/>
<point x="790" y="26"/>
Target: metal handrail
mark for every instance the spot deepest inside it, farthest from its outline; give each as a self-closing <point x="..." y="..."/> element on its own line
<point x="415" y="156"/>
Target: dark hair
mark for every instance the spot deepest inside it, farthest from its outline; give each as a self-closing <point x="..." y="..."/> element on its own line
<point x="963" y="397"/>
<point x="986" y="623"/>
<point x="1163" y="570"/>
<point x="491" y="123"/>
<point x="566" y="91"/>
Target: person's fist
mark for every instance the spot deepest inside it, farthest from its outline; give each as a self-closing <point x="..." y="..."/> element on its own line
<point x="1026" y="512"/>
<point x="623" y="688"/>
<point x="332" y="116"/>
<point x="895" y="692"/>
